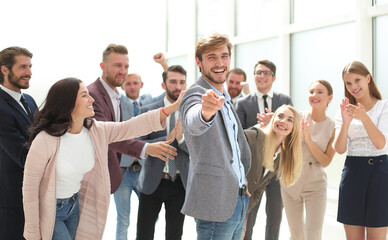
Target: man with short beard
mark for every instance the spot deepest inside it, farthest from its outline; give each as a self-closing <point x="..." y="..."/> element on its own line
<point x="16" y="114"/>
<point x="114" y="66"/>
<point x="220" y="158"/>
<point x="161" y="182"/>
<point x="237" y="85"/>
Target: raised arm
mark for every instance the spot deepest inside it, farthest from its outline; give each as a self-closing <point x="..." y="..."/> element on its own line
<point x="341" y="140"/>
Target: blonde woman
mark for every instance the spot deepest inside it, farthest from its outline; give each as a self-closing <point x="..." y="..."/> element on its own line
<point x="276" y="152"/>
<point x="362" y="131"/>
<point x="309" y="193"/>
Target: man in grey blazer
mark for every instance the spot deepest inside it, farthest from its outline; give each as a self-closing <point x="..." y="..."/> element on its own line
<point x="131" y="103"/>
<point x="216" y="194"/>
<point x="261" y="102"/>
<point x="161" y="182"/>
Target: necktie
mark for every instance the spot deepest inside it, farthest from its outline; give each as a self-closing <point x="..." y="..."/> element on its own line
<point x="265" y="102"/>
<point x="135" y="108"/>
<point x="172" y="163"/>
<point x="27" y="108"/>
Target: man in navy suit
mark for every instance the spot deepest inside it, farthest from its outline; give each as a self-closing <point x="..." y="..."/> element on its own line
<point x="131" y="103"/>
<point x="16" y="114"/>
<point x="162" y="182"/>
<point x="261" y="102"/>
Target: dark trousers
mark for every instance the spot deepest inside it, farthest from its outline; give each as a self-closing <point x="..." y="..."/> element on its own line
<point x="11" y="223"/>
<point x="172" y="194"/>
<point x="274" y="208"/>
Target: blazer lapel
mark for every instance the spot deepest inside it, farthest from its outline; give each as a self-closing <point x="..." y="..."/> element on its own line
<point x="107" y="99"/>
<point x="16" y="105"/>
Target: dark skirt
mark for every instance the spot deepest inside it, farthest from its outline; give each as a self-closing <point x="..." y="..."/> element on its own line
<point x="363" y="192"/>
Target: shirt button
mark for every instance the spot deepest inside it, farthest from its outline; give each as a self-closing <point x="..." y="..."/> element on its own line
<point x="310" y="163"/>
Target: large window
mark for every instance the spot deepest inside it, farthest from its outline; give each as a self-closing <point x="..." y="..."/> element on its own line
<point x="381" y="54"/>
<point x="322" y="54"/>
<point x="178" y="21"/>
<point x="315" y="10"/>
<point x="213" y="16"/>
<point x="257" y="17"/>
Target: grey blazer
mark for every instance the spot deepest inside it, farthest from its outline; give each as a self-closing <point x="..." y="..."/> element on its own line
<point x="128" y="113"/>
<point x="152" y="170"/>
<point x="212" y="187"/>
<point x="247" y="107"/>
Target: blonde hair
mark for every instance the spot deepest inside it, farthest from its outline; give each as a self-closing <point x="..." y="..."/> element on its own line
<point x="290" y="163"/>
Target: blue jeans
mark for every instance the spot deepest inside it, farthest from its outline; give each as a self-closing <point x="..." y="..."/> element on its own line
<point x="66" y="219"/>
<point x="123" y="201"/>
<point x="231" y="229"/>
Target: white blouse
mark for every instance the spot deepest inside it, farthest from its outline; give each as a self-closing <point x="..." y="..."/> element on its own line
<point x="75" y="158"/>
<point x="359" y="143"/>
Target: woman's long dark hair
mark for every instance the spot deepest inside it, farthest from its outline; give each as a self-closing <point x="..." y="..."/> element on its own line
<point x="55" y="116"/>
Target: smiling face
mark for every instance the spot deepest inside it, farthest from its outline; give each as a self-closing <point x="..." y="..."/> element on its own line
<point x="18" y="77"/>
<point x="83" y="107"/>
<point x="319" y="96"/>
<point x="115" y="69"/>
<point x="283" y="122"/>
<point x="215" y="65"/>
<point x="264" y="78"/>
<point x="234" y="84"/>
<point x="357" y="85"/>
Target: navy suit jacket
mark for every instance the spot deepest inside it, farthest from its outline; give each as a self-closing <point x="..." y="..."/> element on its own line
<point x="152" y="170"/>
<point x="103" y="109"/>
<point x="247" y="107"/>
<point x="13" y="150"/>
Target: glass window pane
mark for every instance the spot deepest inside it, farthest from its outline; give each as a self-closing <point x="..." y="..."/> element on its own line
<point x="381" y="2"/>
<point x="309" y="10"/>
<point x="248" y="54"/>
<point x="212" y="17"/>
<point x="322" y="54"/>
<point x="177" y="22"/>
<point x="180" y="60"/>
<point x="381" y="54"/>
<point x="257" y="16"/>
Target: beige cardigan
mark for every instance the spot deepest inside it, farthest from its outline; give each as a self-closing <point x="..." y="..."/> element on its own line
<point x="39" y="195"/>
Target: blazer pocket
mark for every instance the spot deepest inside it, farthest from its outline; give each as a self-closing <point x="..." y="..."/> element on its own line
<point x="209" y="170"/>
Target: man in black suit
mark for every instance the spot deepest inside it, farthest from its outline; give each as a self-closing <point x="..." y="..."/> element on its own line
<point x="16" y="114"/>
<point x="250" y="108"/>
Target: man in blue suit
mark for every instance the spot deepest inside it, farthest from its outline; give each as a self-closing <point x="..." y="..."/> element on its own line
<point x="131" y="103"/>
<point x="16" y="114"/>
<point x="220" y="158"/>
<point x="162" y="182"/>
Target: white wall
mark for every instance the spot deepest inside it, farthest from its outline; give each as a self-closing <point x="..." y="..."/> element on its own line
<point x="67" y="38"/>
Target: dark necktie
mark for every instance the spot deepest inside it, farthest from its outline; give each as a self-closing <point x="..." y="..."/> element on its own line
<point x="135" y="108"/>
<point x="265" y="102"/>
<point x="27" y="108"/>
<point x="172" y="163"/>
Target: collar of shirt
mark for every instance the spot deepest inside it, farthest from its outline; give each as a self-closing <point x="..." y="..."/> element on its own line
<point x="131" y="100"/>
<point x="112" y="93"/>
<point x="276" y="154"/>
<point x="260" y="94"/>
<point x="13" y="94"/>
